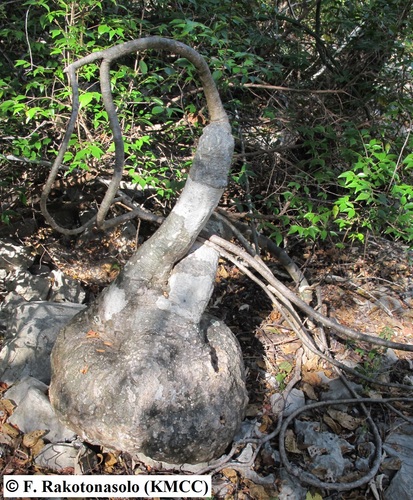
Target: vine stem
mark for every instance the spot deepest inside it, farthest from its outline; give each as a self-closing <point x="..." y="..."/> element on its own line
<point x="108" y="56"/>
<point x="257" y="264"/>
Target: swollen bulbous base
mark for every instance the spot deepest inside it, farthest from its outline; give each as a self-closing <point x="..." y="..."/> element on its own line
<point x="175" y="393"/>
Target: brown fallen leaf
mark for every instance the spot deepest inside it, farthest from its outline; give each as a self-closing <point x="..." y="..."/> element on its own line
<point x="345" y="420"/>
<point x="334" y="426"/>
<point x="290" y="347"/>
<point x="10" y="430"/>
<point x="266" y="423"/>
<point x="313" y="363"/>
<point x="7" y="406"/>
<point x="308" y="390"/>
<point x="31" y="438"/>
<point x="230" y="474"/>
<point x="291" y="442"/>
<point x="38" y="447"/>
<point x="222" y="272"/>
<point x="311" y="378"/>
<point x="109" y="462"/>
<point x="256" y="491"/>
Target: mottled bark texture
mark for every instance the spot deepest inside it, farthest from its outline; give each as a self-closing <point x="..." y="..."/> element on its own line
<point x="144" y="369"/>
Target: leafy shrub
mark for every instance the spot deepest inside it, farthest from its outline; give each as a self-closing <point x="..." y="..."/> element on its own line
<point x="308" y="163"/>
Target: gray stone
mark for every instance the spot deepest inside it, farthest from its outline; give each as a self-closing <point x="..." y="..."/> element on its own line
<point x="338" y="390"/>
<point x="14" y="257"/>
<point x="54" y="286"/>
<point x="65" y="289"/>
<point x="63" y="455"/>
<point x="7" y="308"/>
<point x="390" y="357"/>
<point x="30" y="338"/>
<point x="401" y="486"/>
<point x="293" y="401"/>
<point x="325" y="449"/>
<point x="289" y="487"/>
<point x="34" y="411"/>
<point x="399" y="444"/>
<point x="29" y="287"/>
<point x="18" y="391"/>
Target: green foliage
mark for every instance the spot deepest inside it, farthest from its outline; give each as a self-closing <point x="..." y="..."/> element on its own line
<point x="284" y="369"/>
<point x="379" y="198"/>
<point x="321" y="166"/>
<point x="372" y="361"/>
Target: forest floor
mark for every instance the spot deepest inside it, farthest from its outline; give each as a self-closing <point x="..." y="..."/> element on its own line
<point x="368" y="287"/>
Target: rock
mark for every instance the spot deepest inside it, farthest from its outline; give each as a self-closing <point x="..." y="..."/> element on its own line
<point x="7" y="308"/>
<point x="54" y="286"/>
<point x="337" y="390"/>
<point x="64" y="455"/>
<point x="365" y="455"/>
<point x="295" y="399"/>
<point x="401" y="485"/>
<point x="246" y="454"/>
<point x="30" y="338"/>
<point x="29" y="287"/>
<point x="325" y="449"/>
<point x="18" y="392"/>
<point x="400" y="445"/>
<point x="65" y="289"/>
<point x="289" y="487"/>
<point x="390" y="357"/>
<point x="40" y="269"/>
<point x="14" y="257"/>
<point x="34" y="411"/>
<point x="22" y="229"/>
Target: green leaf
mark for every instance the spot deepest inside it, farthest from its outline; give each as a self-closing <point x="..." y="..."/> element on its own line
<point x="364" y="196"/>
<point x="103" y="28"/>
<point x="143" y="67"/>
<point x="96" y="151"/>
<point x="316" y="496"/>
<point x="285" y="366"/>
<point x="157" y="110"/>
<point x="217" y="74"/>
<point x="87" y="98"/>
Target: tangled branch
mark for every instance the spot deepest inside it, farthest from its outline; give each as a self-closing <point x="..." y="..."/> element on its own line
<point x="108" y="56"/>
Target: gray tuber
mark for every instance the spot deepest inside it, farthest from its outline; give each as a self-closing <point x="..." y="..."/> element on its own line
<point x="144" y="369"/>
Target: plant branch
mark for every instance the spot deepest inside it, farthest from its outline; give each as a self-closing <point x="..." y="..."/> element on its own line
<point x="216" y="110"/>
<point x="285" y="292"/>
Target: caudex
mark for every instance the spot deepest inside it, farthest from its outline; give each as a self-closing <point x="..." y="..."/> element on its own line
<point x="144" y="369"/>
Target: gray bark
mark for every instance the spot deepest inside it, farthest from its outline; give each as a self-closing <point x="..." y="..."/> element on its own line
<point x="144" y="369"/>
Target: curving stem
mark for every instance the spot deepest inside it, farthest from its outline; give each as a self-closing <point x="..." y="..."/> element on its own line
<point x="217" y="114"/>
